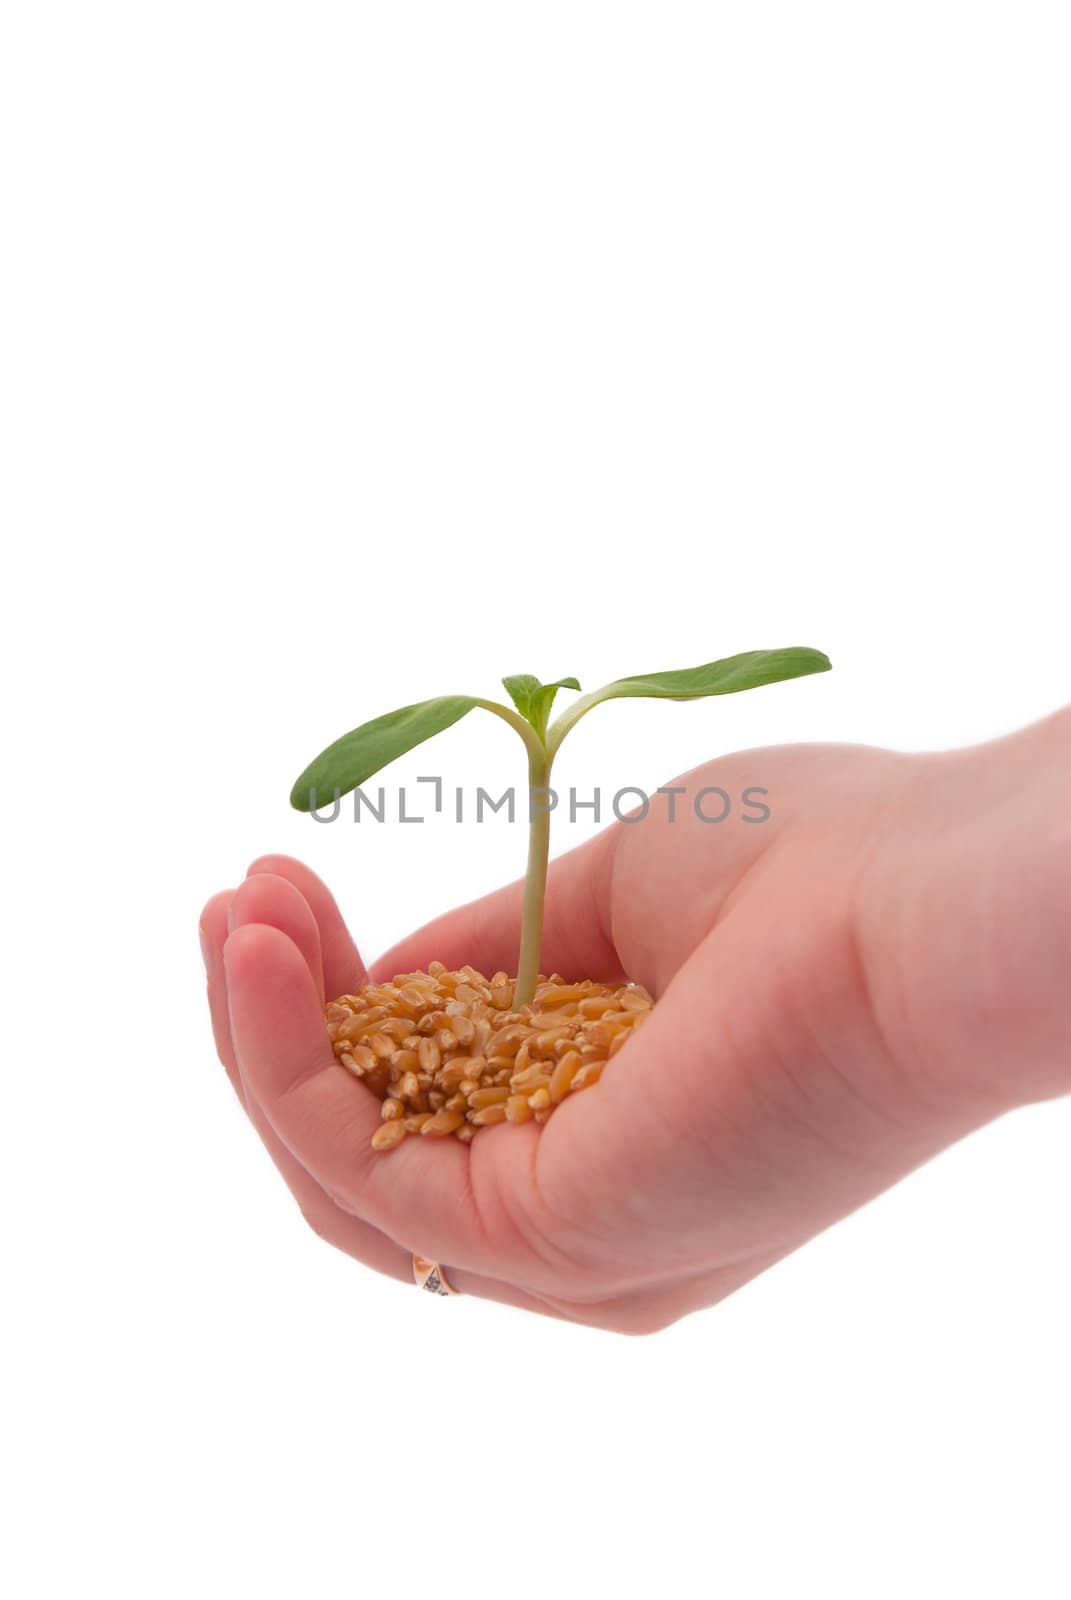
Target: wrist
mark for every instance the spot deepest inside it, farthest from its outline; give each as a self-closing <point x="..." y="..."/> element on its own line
<point x="976" y="900"/>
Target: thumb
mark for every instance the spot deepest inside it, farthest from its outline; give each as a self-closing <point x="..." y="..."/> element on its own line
<point x="755" y="1107"/>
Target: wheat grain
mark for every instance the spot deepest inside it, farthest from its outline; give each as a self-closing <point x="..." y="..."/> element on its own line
<point x="446" y="1055"/>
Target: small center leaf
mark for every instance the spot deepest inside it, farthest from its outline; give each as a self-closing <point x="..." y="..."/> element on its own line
<point x="534" y="699"/>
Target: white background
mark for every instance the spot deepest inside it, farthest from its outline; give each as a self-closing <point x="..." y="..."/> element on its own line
<point x="355" y="353"/>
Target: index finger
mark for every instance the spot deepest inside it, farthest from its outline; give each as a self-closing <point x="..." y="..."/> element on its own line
<point x="343" y="968"/>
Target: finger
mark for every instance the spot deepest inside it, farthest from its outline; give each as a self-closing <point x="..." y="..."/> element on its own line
<point x="343" y="970"/>
<point x="577" y="938"/>
<point x="421" y="1194"/>
<point x="213" y="930"/>
<point x="275" y="901"/>
<point x="273" y="896"/>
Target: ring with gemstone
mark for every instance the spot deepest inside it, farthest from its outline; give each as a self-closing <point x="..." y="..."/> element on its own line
<point x="429" y="1275"/>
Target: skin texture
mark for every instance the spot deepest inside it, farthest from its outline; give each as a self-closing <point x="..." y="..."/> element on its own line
<point x="843" y="990"/>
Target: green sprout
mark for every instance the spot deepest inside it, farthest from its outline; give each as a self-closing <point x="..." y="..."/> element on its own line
<point x="357" y="756"/>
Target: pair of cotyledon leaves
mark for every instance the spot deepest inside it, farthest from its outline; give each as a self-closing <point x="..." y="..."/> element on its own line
<point x="359" y="754"/>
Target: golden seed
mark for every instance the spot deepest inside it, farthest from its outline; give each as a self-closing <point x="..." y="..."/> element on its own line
<point x="544" y="1043"/>
<point x="464" y="1030"/>
<point x="590" y="1073"/>
<point x="550" y="997"/>
<point x="479" y="1098"/>
<point x="481" y="1035"/>
<point x="563" y="1075"/>
<point x="533" y="1077"/>
<point x="387" y="1135"/>
<point x="442" y="1123"/>
<point x="349" y="1029"/>
<point x="430" y="1055"/>
<point x="395" y="1028"/>
<point x="509" y="1041"/>
<point x="487" y="1115"/>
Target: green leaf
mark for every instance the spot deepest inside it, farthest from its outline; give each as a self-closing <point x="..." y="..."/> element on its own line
<point x="534" y="699"/>
<point x="357" y="755"/>
<point x="729" y="676"/>
<point x="747" y="671"/>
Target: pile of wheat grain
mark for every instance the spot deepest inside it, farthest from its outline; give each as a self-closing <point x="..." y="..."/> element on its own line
<point x="446" y="1053"/>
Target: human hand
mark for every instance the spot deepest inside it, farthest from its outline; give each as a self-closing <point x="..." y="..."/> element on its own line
<point x="842" y="991"/>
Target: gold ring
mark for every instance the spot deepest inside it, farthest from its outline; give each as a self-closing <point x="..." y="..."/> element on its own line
<point x="429" y="1275"/>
